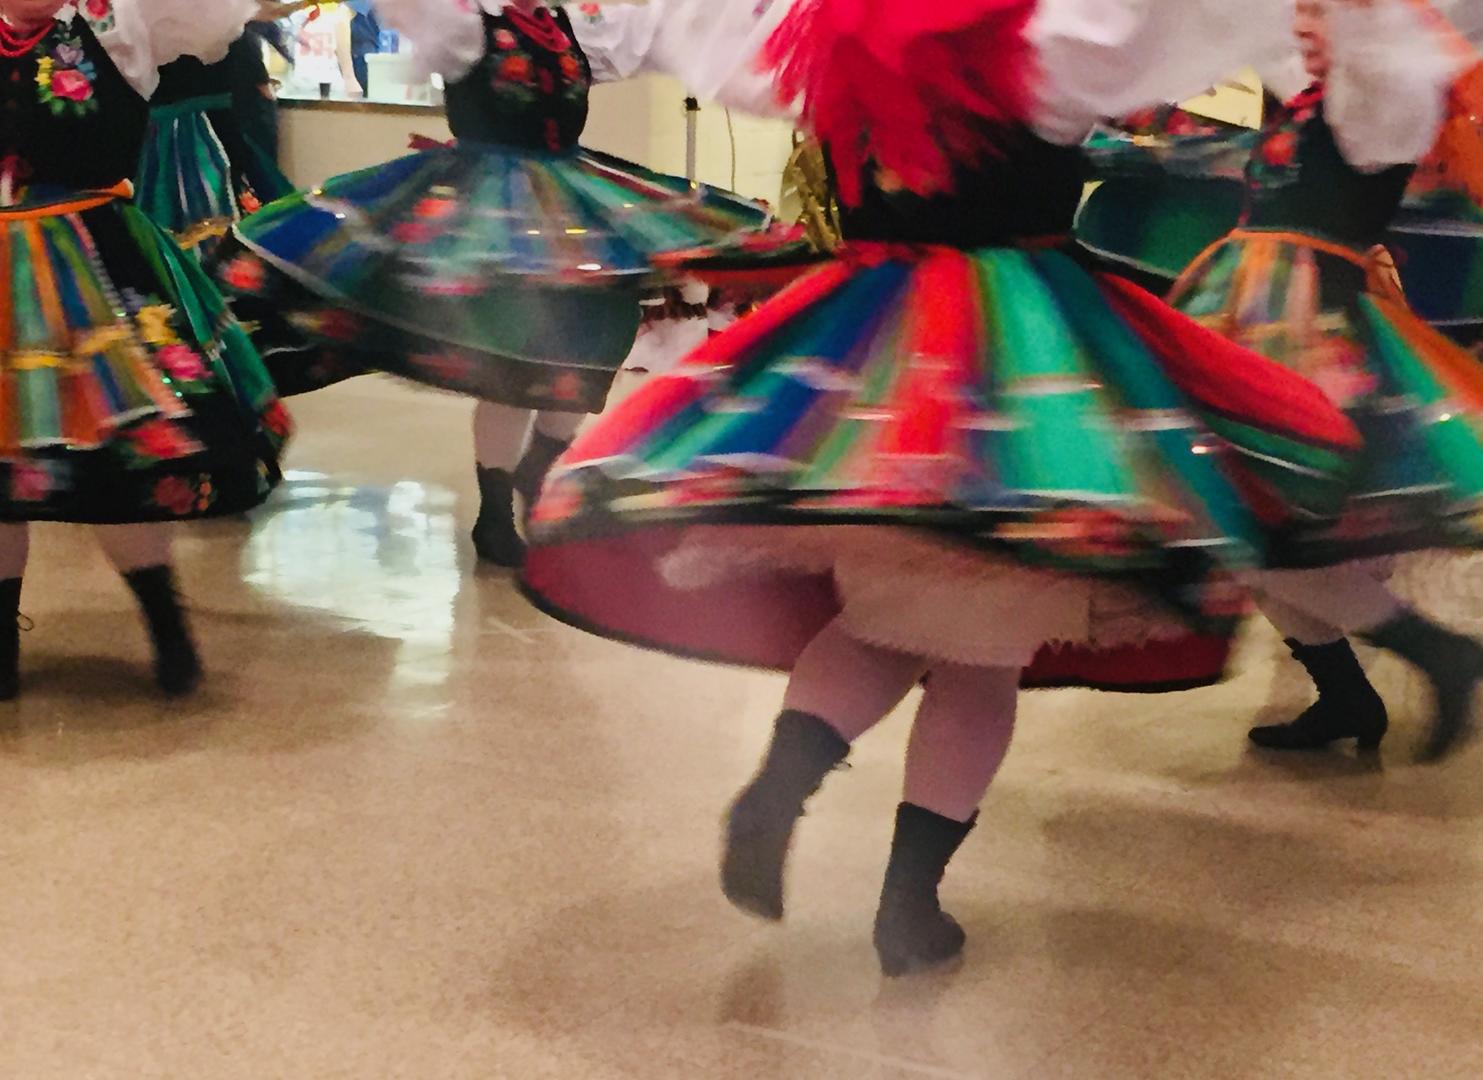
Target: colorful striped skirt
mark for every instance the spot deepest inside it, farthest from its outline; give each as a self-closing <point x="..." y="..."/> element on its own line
<point x="505" y="274"/>
<point x="1051" y="423"/>
<point x="128" y="393"/>
<point x="1338" y="318"/>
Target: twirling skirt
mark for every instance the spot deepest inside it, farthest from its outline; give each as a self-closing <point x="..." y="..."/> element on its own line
<point x="1155" y="228"/>
<point x="127" y="391"/>
<point x="749" y="267"/>
<point x="1441" y="266"/>
<point x="200" y="173"/>
<point x="506" y="274"/>
<point x="1338" y="319"/>
<point x="1049" y="433"/>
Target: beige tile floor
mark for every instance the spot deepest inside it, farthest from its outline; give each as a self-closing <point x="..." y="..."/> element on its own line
<point x="413" y="830"/>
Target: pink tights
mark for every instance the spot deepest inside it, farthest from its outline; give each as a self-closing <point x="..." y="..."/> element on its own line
<point x="963" y="725"/>
<point x="129" y="547"/>
<point x="501" y="432"/>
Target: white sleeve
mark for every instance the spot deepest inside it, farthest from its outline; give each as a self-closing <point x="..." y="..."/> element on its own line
<point x="709" y="45"/>
<point x="1113" y="57"/>
<point x="1285" y="80"/>
<point x="142" y="36"/>
<point x="447" y="36"/>
<point x="1386" y="93"/>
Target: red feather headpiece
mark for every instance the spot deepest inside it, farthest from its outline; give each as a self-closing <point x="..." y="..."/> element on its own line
<point x="914" y="86"/>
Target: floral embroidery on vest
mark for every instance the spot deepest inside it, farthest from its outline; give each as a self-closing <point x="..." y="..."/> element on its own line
<point x="99" y="14"/>
<point x="64" y="78"/>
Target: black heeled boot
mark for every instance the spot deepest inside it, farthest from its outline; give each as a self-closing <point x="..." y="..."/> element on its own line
<point x="1454" y="665"/>
<point x="912" y="932"/>
<point x="1347" y="707"/>
<point x="535" y="465"/>
<point x="495" y="537"/>
<point x="759" y="829"/>
<point x="10" y="639"/>
<point x="177" y="668"/>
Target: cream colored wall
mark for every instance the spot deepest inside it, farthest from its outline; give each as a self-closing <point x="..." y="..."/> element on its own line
<point x="317" y="143"/>
<point x="321" y="141"/>
<point x="1238" y="101"/>
<point x="762" y="146"/>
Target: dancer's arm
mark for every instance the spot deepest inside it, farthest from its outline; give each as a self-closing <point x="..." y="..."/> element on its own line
<point x="447" y="36"/>
<point x="1387" y="88"/>
<point x="1113" y="57"/>
<point x="709" y="45"/>
<point x="142" y="36"/>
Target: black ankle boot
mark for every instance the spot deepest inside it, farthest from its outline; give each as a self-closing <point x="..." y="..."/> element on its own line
<point x="1347" y="707"/>
<point x="535" y="465"/>
<point x="912" y="932"/>
<point x="759" y="828"/>
<point x="495" y="537"/>
<point x="10" y="639"/>
<point x="177" y="668"/>
<point x="1453" y="663"/>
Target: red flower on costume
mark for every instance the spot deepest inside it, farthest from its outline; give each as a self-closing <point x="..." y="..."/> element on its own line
<point x="433" y="207"/>
<point x="571" y="70"/>
<point x="412" y="232"/>
<point x="445" y="367"/>
<point x="175" y="494"/>
<point x="245" y="274"/>
<point x="566" y="387"/>
<point x="1281" y="149"/>
<point x="515" y="69"/>
<point x="277" y="421"/>
<point x="337" y="325"/>
<point x="503" y="39"/>
<point x="157" y="439"/>
<point x="97" y="9"/>
<point x="69" y="84"/>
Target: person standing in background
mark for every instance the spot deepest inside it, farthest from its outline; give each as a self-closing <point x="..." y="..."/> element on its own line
<point x="365" y="40"/>
<point x="321" y="51"/>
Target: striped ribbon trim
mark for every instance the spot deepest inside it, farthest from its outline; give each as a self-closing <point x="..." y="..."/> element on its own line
<point x="1381" y="275"/>
<point x="124" y="189"/>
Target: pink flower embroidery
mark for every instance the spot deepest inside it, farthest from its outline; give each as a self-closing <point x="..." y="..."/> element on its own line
<point x="503" y="39"/>
<point x="566" y="387"/>
<point x="28" y="483"/>
<point x="69" y="84"/>
<point x="182" y="362"/>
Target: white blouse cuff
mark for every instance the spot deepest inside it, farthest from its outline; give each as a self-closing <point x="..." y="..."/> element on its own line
<point x="142" y="36"/>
